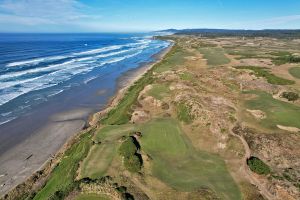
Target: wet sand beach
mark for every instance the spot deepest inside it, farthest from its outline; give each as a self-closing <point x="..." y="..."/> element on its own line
<point x="49" y="127"/>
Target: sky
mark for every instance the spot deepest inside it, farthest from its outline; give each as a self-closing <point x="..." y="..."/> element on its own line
<point x="146" y="15"/>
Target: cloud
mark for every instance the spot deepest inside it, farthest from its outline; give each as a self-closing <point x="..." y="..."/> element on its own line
<point x="46" y="12"/>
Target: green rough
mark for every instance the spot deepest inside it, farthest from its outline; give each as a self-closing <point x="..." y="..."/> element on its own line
<point x="214" y="56"/>
<point x="277" y="112"/>
<point x="178" y="164"/>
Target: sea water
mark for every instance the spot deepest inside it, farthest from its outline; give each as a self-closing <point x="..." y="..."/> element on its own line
<point x="36" y="68"/>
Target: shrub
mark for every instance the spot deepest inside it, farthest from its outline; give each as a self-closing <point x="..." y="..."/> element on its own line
<point x="288" y="58"/>
<point x="258" y="166"/>
<point x="128" y="147"/>
<point x="58" y="195"/>
<point x="271" y="78"/>
<point x="122" y="189"/>
<point x="132" y="160"/>
<point x="132" y="163"/>
<point x="290" y="96"/>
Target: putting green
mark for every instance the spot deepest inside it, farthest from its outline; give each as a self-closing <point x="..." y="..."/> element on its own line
<point x="277" y="112"/>
<point x="295" y="72"/>
<point x="178" y="164"/>
<point x="159" y="91"/>
<point x="99" y="159"/>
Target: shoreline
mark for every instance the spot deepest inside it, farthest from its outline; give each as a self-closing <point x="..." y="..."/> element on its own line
<point x="123" y="83"/>
<point x="132" y="77"/>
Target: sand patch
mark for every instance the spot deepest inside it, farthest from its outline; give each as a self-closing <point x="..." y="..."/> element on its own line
<point x="289" y="128"/>
<point x="139" y="116"/>
<point x="256" y="62"/>
<point x="258" y="114"/>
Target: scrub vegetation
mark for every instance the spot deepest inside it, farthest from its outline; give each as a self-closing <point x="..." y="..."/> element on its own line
<point x="271" y="78"/>
<point x="258" y="166"/>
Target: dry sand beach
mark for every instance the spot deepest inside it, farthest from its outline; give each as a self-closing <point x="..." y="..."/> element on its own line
<point x="32" y="154"/>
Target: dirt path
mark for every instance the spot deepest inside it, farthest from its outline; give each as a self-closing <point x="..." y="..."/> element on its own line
<point x="246" y="171"/>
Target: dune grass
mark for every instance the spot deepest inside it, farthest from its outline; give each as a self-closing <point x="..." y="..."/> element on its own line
<point x="92" y="197"/>
<point x="295" y="72"/>
<point x="96" y="164"/>
<point x="271" y="78"/>
<point x="184" y="113"/>
<point x="122" y="112"/>
<point x="277" y="112"/>
<point x="178" y="164"/>
<point x="63" y="176"/>
<point x="214" y="56"/>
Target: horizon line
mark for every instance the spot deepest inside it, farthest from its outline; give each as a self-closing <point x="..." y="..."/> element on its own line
<point x="149" y="31"/>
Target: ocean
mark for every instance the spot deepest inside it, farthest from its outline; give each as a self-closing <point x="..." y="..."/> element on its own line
<point x="43" y="75"/>
<point x="34" y="68"/>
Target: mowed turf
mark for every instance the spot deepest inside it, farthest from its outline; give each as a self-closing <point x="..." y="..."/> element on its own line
<point x="92" y="197"/>
<point x="295" y="72"/>
<point x="99" y="159"/>
<point x="178" y="164"/>
<point x="159" y="91"/>
<point x="214" y="56"/>
<point x="174" y="58"/>
<point x="277" y="112"/>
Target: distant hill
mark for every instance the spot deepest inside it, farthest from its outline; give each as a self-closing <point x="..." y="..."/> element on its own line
<point x="279" y="33"/>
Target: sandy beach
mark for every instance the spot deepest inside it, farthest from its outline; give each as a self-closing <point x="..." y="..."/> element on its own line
<point x="30" y="155"/>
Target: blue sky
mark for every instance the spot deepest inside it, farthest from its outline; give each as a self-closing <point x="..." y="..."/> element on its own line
<point x="145" y="15"/>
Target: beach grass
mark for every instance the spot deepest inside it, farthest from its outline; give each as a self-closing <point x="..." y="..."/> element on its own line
<point x="271" y="78"/>
<point x="179" y="165"/>
<point x="92" y="197"/>
<point x="122" y="112"/>
<point x="62" y="178"/>
<point x="184" y="113"/>
<point x="295" y="72"/>
<point x="214" y="56"/>
<point x="277" y="112"/>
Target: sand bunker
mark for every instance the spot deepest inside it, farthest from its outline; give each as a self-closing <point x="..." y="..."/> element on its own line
<point x="289" y="128"/>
